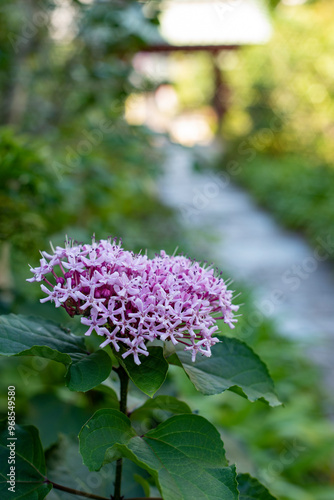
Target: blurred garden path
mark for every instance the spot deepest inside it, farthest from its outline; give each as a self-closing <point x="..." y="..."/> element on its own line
<point x="292" y="283"/>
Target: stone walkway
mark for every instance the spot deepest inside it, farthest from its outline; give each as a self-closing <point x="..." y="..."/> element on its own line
<point x="293" y="283"/>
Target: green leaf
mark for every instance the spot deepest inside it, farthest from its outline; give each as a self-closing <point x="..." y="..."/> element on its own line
<point x="100" y="435"/>
<point x="65" y="467"/>
<point x="33" y="336"/>
<point x="150" y="374"/>
<point x="138" y="478"/>
<point x="165" y="403"/>
<point x="89" y="371"/>
<point x="110" y="394"/>
<point x="250" y="489"/>
<point x="29" y="464"/>
<point x="234" y="366"/>
<point x="185" y="454"/>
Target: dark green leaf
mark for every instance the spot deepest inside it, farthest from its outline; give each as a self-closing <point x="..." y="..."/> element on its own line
<point x="173" y="359"/>
<point x="33" y="336"/>
<point x="29" y="464"/>
<point x="150" y="374"/>
<point x="165" y="403"/>
<point x="110" y="394"/>
<point x="185" y="454"/>
<point x="89" y="371"/>
<point x="234" y="366"/>
<point x="250" y="489"/>
<point x="98" y="437"/>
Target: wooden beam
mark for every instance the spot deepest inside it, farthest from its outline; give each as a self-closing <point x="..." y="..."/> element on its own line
<point x="188" y="48"/>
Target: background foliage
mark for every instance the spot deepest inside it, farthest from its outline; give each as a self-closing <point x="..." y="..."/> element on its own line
<point x="75" y="166"/>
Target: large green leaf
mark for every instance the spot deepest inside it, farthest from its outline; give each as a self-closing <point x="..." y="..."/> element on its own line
<point x="164" y="403"/>
<point x="29" y="464"/>
<point x="33" y="336"/>
<point x="150" y="374"/>
<point x="185" y="454"/>
<point x="234" y="366"/>
<point x="89" y="371"/>
<point x="250" y="489"/>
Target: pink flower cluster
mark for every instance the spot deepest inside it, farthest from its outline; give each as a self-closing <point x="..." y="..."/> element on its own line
<point x="130" y="299"/>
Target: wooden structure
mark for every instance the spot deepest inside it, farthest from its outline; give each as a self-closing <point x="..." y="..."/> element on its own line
<point x="212" y="26"/>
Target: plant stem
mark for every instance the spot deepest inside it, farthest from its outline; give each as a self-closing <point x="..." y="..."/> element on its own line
<point x="76" y="492"/>
<point x="118" y="479"/>
<point x="91" y="495"/>
<point x="124" y="380"/>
